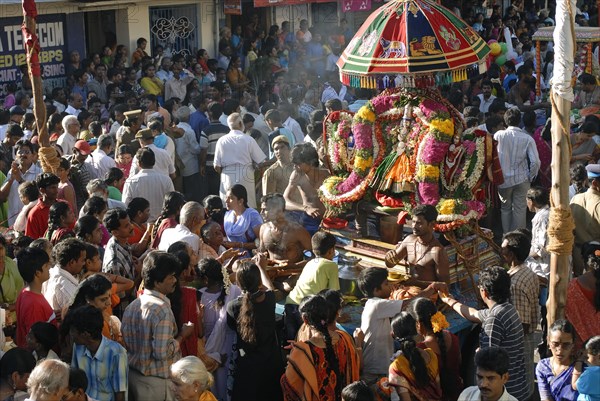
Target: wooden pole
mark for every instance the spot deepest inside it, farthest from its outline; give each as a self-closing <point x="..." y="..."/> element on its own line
<point x="560" y="228"/>
<point x="561" y="155"/>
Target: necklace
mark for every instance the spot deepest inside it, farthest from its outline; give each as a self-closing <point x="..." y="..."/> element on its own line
<point x="557" y="370"/>
<point x="427" y="249"/>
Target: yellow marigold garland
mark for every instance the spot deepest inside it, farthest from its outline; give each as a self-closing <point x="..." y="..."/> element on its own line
<point x="439" y="322"/>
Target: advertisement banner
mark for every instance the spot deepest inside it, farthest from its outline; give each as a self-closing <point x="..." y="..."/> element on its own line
<point x="51" y="33"/>
<point x="233" y="7"/>
<point x="271" y="3"/>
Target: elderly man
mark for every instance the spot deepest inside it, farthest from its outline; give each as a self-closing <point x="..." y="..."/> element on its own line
<point x="191" y="219"/>
<point x="586" y="214"/>
<point x="67" y="140"/>
<point x="284" y="240"/>
<point x="236" y="155"/>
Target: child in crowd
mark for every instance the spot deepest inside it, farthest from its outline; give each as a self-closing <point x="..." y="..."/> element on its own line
<point x="34" y="267"/>
<point x="318" y="274"/>
<point x="376" y="326"/>
<point x="357" y="391"/>
<point x="588" y="382"/>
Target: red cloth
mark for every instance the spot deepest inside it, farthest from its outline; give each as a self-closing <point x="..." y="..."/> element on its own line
<point x="451" y="368"/>
<point x="189" y="313"/>
<point x="31" y="308"/>
<point x="37" y="220"/>
<point x="581" y="312"/>
<point x="166" y="223"/>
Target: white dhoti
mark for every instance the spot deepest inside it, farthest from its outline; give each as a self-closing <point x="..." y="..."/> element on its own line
<point x="238" y="174"/>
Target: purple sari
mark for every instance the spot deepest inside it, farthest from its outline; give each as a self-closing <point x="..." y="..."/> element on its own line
<point x="557" y="388"/>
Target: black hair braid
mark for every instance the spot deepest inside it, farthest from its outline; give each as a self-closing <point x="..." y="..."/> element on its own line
<point x="246" y="322"/>
<point x="221" y="300"/>
<point x="409" y="349"/>
<point x="439" y="336"/>
<point x="316" y="310"/>
<point x="332" y="359"/>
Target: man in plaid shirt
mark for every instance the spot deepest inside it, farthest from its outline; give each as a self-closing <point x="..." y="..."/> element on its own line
<point x="524" y="291"/>
<point x="150" y="331"/>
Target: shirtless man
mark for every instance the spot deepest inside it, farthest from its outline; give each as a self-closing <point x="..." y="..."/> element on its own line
<point x="421" y="251"/>
<point x="307" y="178"/>
<point x="285" y="241"/>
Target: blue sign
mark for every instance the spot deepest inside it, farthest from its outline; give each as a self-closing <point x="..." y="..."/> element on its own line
<point x="53" y="55"/>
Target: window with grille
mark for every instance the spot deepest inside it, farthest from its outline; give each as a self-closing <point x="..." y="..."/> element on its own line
<point x="175" y="28"/>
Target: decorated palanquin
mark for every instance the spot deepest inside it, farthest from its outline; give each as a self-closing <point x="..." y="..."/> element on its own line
<point x="407" y="147"/>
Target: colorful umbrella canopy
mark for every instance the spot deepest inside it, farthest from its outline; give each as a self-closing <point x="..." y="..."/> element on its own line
<point x="419" y="40"/>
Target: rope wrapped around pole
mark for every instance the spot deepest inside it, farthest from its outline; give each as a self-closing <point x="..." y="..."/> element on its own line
<point x="48" y="156"/>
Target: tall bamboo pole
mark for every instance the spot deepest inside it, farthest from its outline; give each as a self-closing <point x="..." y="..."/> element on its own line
<point x="560" y="230"/>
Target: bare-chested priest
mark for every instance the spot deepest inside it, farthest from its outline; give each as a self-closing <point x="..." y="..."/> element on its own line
<point x="284" y="240"/>
<point x="421" y="251"/>
<point x="307" y="178"/>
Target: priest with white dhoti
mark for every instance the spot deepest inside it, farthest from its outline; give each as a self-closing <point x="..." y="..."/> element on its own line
<point x="236" y="157"/>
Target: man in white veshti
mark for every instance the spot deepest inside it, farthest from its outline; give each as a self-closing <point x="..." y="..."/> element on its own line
<point x="237" y="155"/>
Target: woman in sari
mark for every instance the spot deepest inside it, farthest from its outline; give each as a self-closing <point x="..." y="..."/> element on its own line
<point x="431" y="324"/>
<point x="555" y="374"/>
<point x="60" y="221"/>
<point x="11" y="284"/>
<point x="583" y="296"/>
<point x="242" y="223"/>
<point x="169" y="215"/>
<point x="584" y="147"/>
<point x="319" y="368"/>
<point x="414" y="372"/>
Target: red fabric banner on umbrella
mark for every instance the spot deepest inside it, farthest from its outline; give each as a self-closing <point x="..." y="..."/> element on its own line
<point x="356" y="5"/>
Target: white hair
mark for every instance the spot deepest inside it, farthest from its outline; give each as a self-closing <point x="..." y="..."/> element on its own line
<point x="48" y="378"/>
<point x="189" y="211"/>
<point x="191" y="369"/>
<point x="234" y="121"/>
<point x="68" y="120"/>
<point x="183" y="114"/>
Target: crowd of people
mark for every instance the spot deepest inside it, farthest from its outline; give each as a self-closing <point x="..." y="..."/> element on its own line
<point x="183" y="206"/>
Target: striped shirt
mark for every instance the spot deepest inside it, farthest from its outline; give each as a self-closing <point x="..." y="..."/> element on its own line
<point x="106" y="370"/>
<point x="524" y="293"/>
<point x="118" y="260"/>
<point x="149" y="331"/>
<point x="502" y="327"/>
<point x="518" y="156"/>
<point x="212" y="133"/>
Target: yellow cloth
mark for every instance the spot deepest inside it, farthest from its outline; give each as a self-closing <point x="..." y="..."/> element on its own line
<point x="207" y="396"/>
<point x="153" y="86"/>
<point x="400" y="369"/>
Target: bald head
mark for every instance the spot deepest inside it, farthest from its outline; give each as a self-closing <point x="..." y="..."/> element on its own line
<point x="234" y="121"/>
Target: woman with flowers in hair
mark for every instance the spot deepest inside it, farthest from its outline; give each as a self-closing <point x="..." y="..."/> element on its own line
<point x="431" y="324"/>
<point x="213" y="299"/>
<point x="414" y="373"/>
<point x="319" y="368"/>
<point x="258" y="366"/>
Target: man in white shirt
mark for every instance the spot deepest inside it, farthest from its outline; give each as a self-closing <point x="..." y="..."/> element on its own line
<point x="99" y="159"/>
<point x="165" y="72"/>
<point x="67" y="140"/>
<point x="491" y="374"/>
<point x="486" y="98"/>
<point x="59" y="98"/>
<point x="236" y="155"/>
<point x="148" y="183"/>
<point x="191" y="219"/>
<point x="163" y="165"/>
<point x="61" y="288"/>
<point x="177" y="85"/>
<point x="520" y="164"/>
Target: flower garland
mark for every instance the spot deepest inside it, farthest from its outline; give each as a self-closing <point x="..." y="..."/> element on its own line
<point x="470" y="175"/>
<point x="454" y="213"/>
<point x="338" y="131"/>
